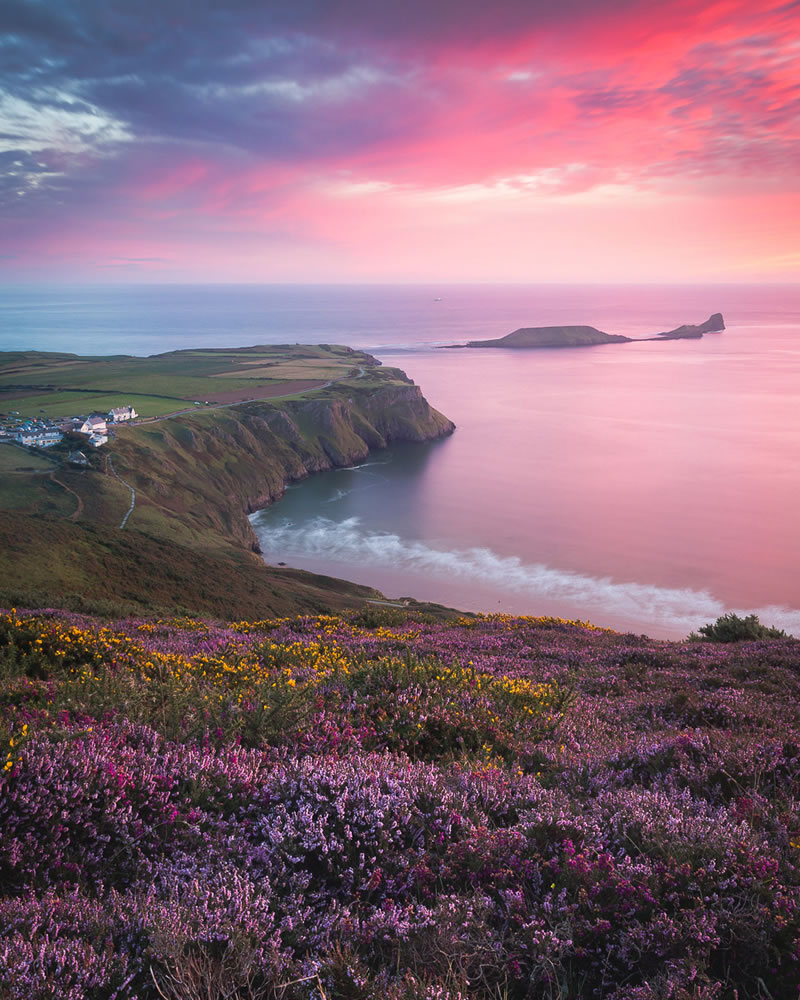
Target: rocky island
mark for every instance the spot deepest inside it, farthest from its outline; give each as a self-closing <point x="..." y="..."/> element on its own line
<point x="714" y="324"/>
<point x="534" y="337"/>
<point x="552" y="336"/>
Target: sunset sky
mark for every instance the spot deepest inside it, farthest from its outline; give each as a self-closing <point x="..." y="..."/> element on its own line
<point x="360" y="140"/>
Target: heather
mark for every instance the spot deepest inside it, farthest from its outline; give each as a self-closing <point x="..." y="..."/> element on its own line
<point x="348" y="807"/>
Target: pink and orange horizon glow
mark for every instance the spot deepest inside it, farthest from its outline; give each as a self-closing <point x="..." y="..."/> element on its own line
<point x="344" y="140"/>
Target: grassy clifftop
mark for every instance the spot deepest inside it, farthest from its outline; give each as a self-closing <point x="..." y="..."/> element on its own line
<point x="196" y="474"/>
<point x="206" y="471"/>
<point x="36" y="383"/>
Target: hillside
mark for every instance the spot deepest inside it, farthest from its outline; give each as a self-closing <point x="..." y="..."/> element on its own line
<point x="187" y="545"/>
<point x="382" y="805"/>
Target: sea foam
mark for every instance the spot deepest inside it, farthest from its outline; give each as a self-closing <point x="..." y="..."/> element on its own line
<point x="600" y="599"/>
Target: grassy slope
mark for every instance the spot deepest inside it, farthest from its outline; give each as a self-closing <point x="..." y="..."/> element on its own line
<point x="15" y="460"/>
<point x="188" y="543"/>
<point x="105" y="571"/>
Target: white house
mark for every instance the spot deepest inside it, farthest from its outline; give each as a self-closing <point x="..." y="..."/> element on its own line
<point x="93" y="425"/>
<point x="97" y="439"/>
<point x="120" y="413"/>
<point x="39" y="438"/>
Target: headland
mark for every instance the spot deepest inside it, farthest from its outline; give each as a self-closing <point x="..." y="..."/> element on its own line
<point x="150" y="511"/>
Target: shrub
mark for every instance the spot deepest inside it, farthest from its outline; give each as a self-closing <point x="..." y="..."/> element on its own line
<point x="732" y="628"/>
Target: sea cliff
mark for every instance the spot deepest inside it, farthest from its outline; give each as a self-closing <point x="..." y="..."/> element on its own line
<point x="188" y="544"/>
<point x="212" y="469"/>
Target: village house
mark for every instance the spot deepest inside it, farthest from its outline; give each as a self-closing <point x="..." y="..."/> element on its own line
<point x="120" y="413"/>
<point x="97" y="439"/>
<point x="94" y="425"/>
<point x="37" y="438"/>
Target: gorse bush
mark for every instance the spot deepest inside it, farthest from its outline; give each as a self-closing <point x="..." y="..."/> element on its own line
<point x="494" y="808"/>
<point x="732" y="628"/>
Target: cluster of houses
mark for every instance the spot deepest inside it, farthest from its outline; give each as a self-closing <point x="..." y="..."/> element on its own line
<point x="44" y="433"/>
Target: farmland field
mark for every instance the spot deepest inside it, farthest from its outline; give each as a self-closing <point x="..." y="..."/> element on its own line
<point x="14" y="459"/>
<point x="35" y="384"/>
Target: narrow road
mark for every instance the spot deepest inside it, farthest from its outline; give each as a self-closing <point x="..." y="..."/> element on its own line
<point x="127" y="486"/>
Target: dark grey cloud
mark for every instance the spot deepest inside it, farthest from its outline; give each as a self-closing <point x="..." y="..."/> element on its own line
<point x="103" y="93"/>
<point x="270" y="79"/>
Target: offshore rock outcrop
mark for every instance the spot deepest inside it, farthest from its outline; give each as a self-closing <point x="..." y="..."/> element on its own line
<point x="714" y="324"/>
<point x="533" y="337"/>
<point x="552" y="336"/>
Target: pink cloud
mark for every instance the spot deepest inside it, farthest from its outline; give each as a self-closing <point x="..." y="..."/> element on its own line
<point x="404" y="154"/>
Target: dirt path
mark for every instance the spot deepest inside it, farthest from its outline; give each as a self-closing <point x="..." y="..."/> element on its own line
<point x="128" y="487"/>
<point x="79" y="509"/>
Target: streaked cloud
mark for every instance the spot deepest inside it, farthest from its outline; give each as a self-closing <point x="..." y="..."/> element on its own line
<point x="199" y="132"/>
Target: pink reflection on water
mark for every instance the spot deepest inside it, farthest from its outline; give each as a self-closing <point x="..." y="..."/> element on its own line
<point x="676" y="464"/>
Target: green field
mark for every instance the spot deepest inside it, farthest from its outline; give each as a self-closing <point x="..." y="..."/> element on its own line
<point x="16" y="459"/>
<point x="35" y="384"/>
<point x="65" y="403"/>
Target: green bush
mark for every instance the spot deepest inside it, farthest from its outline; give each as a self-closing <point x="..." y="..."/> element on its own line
<point x="732" y="628"/>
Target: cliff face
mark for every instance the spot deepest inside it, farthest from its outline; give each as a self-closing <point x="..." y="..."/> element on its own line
<point x="209" y="470"/>
<point x="187" y="546"/>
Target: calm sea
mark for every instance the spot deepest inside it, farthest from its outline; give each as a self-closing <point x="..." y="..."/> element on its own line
<point x="647" y="486"/>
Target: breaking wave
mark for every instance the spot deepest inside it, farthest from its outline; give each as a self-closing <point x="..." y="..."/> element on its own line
<point x="599" y="598"/>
